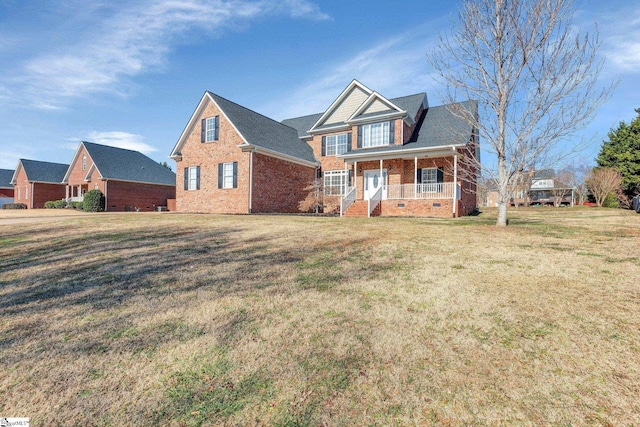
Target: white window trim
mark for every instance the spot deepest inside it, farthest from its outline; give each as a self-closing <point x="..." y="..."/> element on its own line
<point x="192" y="178"/>
<point x="227" y="175"/>
<point x="378" y="139"/>
<point x="210" y="130"/>
<point x="335" y="182"/>
<point x="336" y="144"/>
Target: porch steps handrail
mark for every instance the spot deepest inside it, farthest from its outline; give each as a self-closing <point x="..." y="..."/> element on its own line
<point x="347" y="200"/>
<point x="375" y="200"/>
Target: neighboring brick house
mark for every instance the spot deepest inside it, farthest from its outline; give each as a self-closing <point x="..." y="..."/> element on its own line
<point x="6" y="188"/>
<point x="128" y="179"/>
<point x="372" y="156"/>
<point x="37" y="182"/>
<point x="233" y="160"/>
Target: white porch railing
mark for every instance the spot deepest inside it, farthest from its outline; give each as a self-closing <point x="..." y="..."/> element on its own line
<point x="347" y="200"/>
<point x="444" y="190"/>
<point x="75" y="199"/>
<point x="375" y="200"/>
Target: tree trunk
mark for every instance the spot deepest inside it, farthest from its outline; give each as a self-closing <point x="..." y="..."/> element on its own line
<point x="502" y="215"/>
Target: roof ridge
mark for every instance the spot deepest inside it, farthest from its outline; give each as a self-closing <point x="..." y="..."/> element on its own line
<point x="249" y="109"/>
<point x="110" y="146"/>
<point x="42" y="161"/>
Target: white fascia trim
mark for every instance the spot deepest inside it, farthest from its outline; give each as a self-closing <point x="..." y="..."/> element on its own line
<point x="275" y="154"/>
<point x="90" y="171"/>
<point x="369" y="101"/>
<point x="136" y="182"/>
<point x="328" y="111"/>
<point x="15" y="173"/>
<point x="410" y="152"/>
<point x="375" y="119"/>
<point x="73" y="162"/>
<point x="192" y="121"/>
<point x="335" y="128"/>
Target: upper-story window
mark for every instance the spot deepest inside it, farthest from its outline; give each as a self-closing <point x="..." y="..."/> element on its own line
<point x="84" y="162"/>
<point x="210" y="129"/>
<point x="375" y="134"/>
<point x="336" y="144"/>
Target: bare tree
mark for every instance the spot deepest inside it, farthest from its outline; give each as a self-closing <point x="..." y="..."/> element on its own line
<point x="532" y="74"/>
<point x="603" y="182"/>
<point x="577" y="179"/>
<point x="561" y="187"/>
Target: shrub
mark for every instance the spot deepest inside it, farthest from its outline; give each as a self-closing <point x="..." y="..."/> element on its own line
<point x="93" y="201"/>
<point x="49" y="205"/>
<point x="611" y="201"/>
<point x="14" y="206"/>
<point x="75" y="205"/>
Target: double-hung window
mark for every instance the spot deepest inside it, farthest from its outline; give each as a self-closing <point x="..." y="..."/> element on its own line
<point x="375" y="134"/>
<point x="336" y="182"/>
<point x="210" y="129"/>
<point x="192" y="178"/>
<point x="431" y="180"/>
<point x="228" y="175"/>
<point x="336" y="144"/>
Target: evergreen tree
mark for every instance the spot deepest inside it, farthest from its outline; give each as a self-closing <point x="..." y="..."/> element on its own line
<point x="622" y="153"/>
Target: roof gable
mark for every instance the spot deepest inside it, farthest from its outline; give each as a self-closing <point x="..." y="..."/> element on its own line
<point x="254" y="129"/>
<point x="127" y="165"/>
<point x="45" y="172"/>
<point x="375" y="105"/>
<point x="6" y="176"/>
<point x="345" y="104"/>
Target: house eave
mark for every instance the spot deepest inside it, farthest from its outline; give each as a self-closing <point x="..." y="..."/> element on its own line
<point x="261" y="150"/>
<point x="374" y="119"/>
<point x="439" y="151"/>
<point x="336" y="128"/>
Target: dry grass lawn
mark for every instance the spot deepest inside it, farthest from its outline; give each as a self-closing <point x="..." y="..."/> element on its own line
<point x="163" y="319"/>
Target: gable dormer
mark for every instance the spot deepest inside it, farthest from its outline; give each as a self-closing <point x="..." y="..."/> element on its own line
<point x="349" y="101"/>
<point x="376" y="108"/>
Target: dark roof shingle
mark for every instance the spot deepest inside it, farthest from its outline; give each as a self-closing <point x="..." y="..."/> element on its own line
<point x="128" y="165"/>
<point x="264" y="132"/>
<point x="38" y="171"/>
<point x="6" y="175"/>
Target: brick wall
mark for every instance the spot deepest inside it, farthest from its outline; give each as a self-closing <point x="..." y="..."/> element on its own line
<point x="45" y="192"/>
<point x="6" y="192"/>
<point x="78" y="174"/>
<point x="209" y="198"/>
<point x="429" y="208"/>
<point x="127" y="196"/>
<point x="281" y="186"/>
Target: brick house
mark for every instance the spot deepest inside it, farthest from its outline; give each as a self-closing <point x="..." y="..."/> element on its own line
<point x="371" y="156"/>
<point x="6" y="188"/>
<point x="37" y="182"/>
<point x="128" y="179"/>
<point x="230" y="159"/>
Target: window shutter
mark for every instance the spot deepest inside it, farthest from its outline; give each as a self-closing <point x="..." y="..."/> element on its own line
<point x="203" y="130"/>
<point x="235" y="174"/>
<point x="197" y="177"/>
<point x="217" y="127"/>
<point x="419" y="177"/>
<point x="391" y="133"/>
<point x="324" y="145"/>
<point x="349" y="142"/>
<point x="359" y="136"/>
<point x="220" y="166"/>
<point x="186" y="178"/>
<point x="350" y="177"/>
<point x="440" y="177"/>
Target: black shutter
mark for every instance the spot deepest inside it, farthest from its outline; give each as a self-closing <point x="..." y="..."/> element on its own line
<point x="217" y="125"/>
<point x="359" y="136"/>
<point x="186" y="178"/>
<point x="197" y="177"/>
<point x="419" y="177"/>
<point x="220" y="166"/>
<point x="391" y="133"/>
<point x="349" y="179"/>
<point x="203" y="130"/>
<point x="440" y="176"/>
<point x="235" y="174"/>
<point x="324" y="145"/>
<point x="349" y="142"/>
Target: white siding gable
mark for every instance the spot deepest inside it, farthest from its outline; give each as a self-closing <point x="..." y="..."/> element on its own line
<point x="376" y="106"/>
<point x="347" y="107"/>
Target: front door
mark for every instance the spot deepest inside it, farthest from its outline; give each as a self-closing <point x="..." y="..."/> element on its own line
<point x="373" y="181"/>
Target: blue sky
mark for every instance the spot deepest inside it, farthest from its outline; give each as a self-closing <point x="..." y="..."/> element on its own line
<point x="130" y="74"/>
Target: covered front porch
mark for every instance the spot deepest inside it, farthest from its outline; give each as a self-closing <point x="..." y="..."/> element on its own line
<point x="418" y="186"/>
<point x="75" y="193"/>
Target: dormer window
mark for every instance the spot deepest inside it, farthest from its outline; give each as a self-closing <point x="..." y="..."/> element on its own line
<point x="375" y="134"/>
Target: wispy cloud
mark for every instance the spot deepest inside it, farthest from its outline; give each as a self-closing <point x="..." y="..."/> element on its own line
<point x="132" y="40"/>
<point x="394" y="67"/>
<point x="119" y="139"/>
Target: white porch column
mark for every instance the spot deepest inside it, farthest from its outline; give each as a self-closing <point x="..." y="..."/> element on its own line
<point x="455" y="183"/>
<point x="415" y="177"/>
<point x="381" y="180"/>
<point x="355" y="176"/>
<point x="66" y="192"/>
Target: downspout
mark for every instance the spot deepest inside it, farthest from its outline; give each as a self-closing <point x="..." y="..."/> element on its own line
<point x="251" y="180"/>
<point x="106" y="205"/>
<point x="31" y="193"/>
<point x="455" y="183"/>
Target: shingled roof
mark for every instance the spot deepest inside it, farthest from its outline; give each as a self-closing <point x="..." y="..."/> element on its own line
<point x="5" y="178"/>
<point x="264" y="132"/>
<point x="46" y="172"/>
<point x="127" y="165"/>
